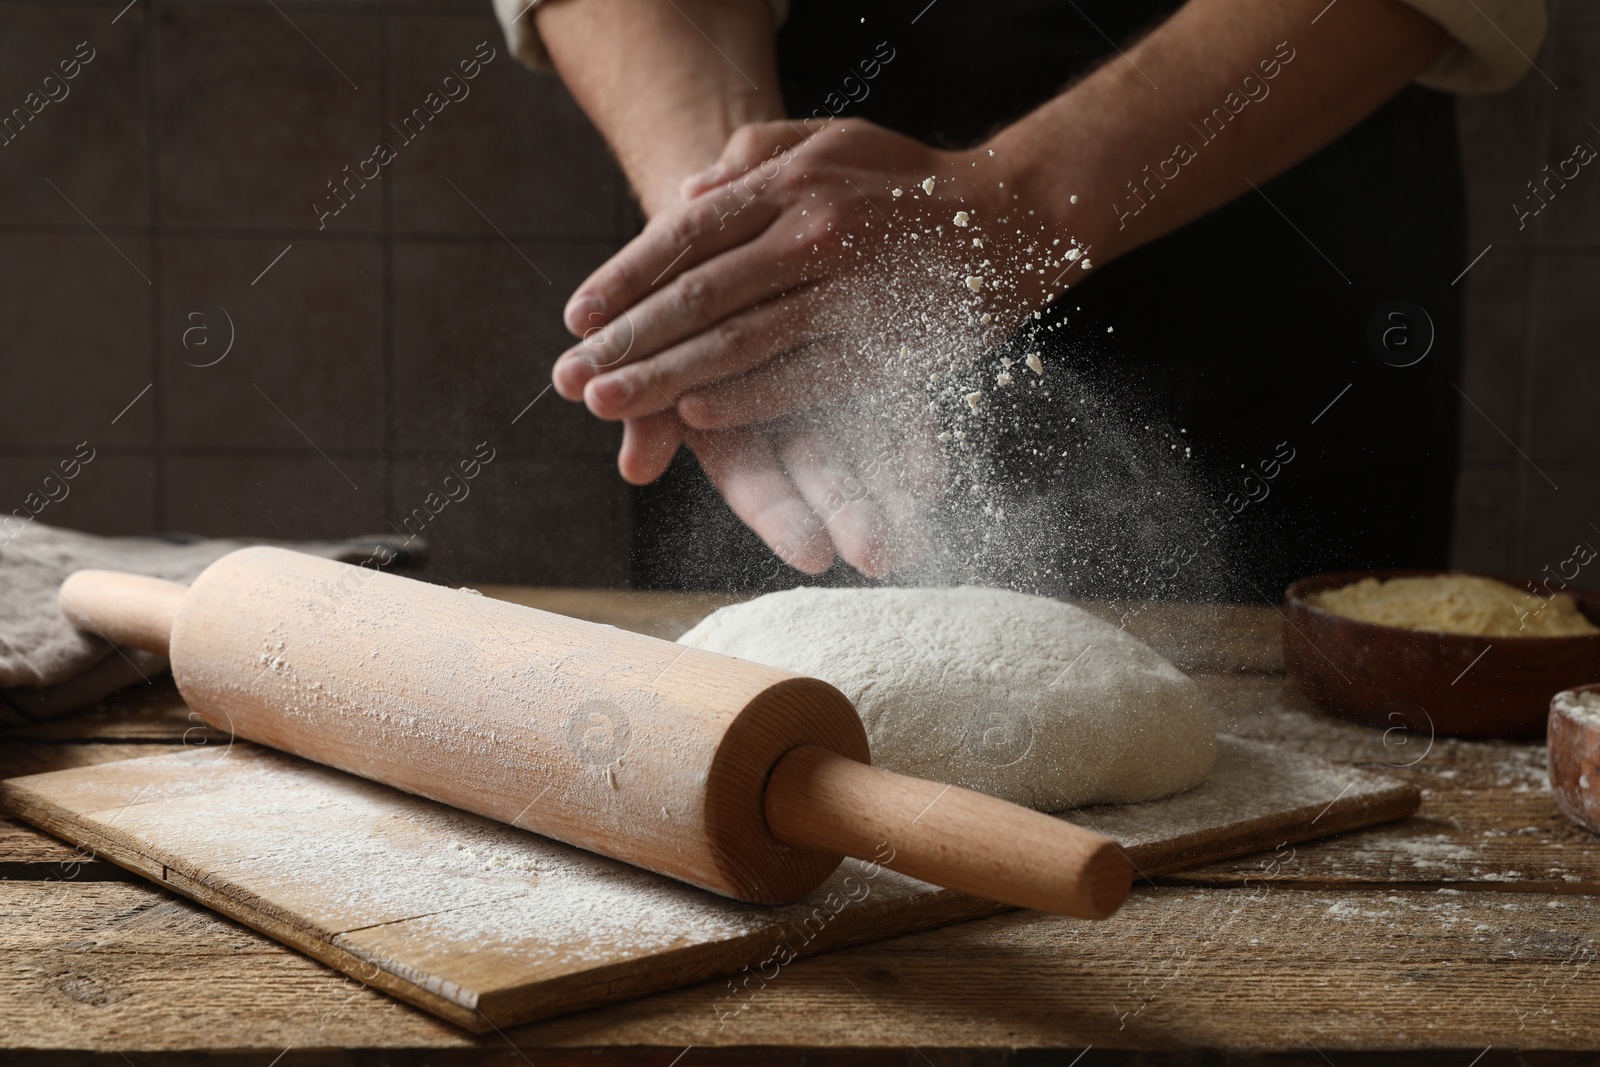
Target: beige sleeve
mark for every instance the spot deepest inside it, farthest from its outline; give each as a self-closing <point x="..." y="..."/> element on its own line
<point x="516" y="19"/>
<point x="1494" y="43"/>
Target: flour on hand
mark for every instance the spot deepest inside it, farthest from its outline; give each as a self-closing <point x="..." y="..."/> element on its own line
<point x="1022" y="697"/>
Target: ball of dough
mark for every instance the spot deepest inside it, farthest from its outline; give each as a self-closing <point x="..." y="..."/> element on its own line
<point x="1022" y="697"/>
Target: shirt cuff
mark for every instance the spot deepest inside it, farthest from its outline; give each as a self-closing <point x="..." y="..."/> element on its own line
<point x="1494" y="43"/>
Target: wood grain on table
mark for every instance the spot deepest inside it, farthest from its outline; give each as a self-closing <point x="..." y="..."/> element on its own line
<point x="1469" y="927"/>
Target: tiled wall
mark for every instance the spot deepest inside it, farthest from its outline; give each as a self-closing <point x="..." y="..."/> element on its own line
<point x="1530" y="484"/>
<point x="165" y="203"/>
<point x="167" y="200"/>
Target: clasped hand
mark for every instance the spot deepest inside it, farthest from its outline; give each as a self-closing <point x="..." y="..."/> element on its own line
<point x="783" y="321"/>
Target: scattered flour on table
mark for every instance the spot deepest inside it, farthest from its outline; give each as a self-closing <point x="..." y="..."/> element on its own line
<point x="1022" y="697"/>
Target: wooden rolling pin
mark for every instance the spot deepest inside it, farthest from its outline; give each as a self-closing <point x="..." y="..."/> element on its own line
<point x="739" y="778"/>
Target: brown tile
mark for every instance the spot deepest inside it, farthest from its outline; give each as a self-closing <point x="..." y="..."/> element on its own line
<point x="515" y="145"/>
<point x="89" y="135"/>
<point x="1501" y="147"/>
<point x="111" y="494"/>
<point x="76" y="322"/>
<point x="301" y="496"/>
<point x="307" y="338"/>
<point x="254" y="120"/>
<point x="520" y="521"/>
<point x="1496" y="356"/>
<point x="1573" y="213"/>
<point x="1481" y="539"/>
<point x="1553" y="521"/>
<point x="1566" y="371"/>
<point x="476" y="331"/>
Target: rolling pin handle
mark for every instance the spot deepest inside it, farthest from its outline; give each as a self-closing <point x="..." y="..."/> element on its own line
<point x="132" y="610"/>
<point x="952" y="837"/>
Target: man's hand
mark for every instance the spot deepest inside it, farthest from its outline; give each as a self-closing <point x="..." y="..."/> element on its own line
<point x="763" y="321"/>
<point x="766" y="292"/>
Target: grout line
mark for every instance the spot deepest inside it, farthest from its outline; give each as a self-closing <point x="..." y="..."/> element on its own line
<point x="497" y="230"/>
<point x="150" y="38"/>
<point x="386" y="384"/>
<point x="98" y="230"/>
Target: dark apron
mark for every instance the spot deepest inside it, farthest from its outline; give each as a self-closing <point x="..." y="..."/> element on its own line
<point x="1234" y="328"/>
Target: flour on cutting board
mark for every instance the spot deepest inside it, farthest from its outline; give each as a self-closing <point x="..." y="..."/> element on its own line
<point x="346" y="855"/>
<point x="1244" y="775"/>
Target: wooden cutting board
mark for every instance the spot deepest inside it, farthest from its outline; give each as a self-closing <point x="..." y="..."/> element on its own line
<point x="487" y="925"/>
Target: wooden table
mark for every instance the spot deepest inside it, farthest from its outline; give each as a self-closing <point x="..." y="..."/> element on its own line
<point x="1469" y="927"/>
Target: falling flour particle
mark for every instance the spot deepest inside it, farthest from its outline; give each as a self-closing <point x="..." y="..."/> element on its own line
<point x="1035" y="364"/>
<point x="961" y="218"/>
<point x="897" y="191"/>
<point x="974" y="282"/>
<point x="1073" y="253"/>
<point x="944" y="437"/>
<point x="1073" y="199"/>
<point x="1112" y="329"/>
<point x="973" y="400"/>
<point x="1003" y="378"/>
<point x="1085" y="262"/>
<point x="1022" y="697"/>
<point x="977" y="242"/>
<point x="985" y="317"/>
<point x="927" y="186"/>
<point x="905" y="351"/>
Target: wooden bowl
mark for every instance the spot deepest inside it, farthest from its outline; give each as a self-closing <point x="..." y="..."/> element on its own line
<point x="1448" y="685"/>
<point x="1574" y="760"/>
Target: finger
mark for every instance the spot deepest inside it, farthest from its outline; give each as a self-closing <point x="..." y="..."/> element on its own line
<point x="733" y="346"/>
<point x="876" y="448"/>
<point x="806" y="377"/>
<point x="828" y="482"/>
<point x="672" y="243"/>
<point x="648" y="445"/>
<point x="693" y="302"/>
<point x="748" y="147"/>
<point x="745" y="470"/>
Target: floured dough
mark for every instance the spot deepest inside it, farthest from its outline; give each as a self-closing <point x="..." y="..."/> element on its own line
<point x="1022" y="697"/>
